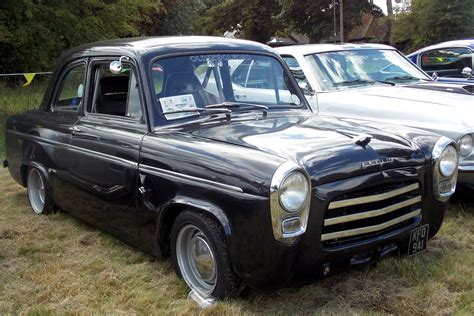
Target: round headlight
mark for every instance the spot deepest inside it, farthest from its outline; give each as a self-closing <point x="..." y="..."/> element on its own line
<point x="293" y="192"/>
<point x="448" y="161"/>
<point x="465" y="145"/>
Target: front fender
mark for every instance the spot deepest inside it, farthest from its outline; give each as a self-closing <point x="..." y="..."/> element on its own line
<point x="183" y="202"/>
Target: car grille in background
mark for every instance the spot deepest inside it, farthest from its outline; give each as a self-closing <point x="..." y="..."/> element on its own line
<point x="363" y="215"/>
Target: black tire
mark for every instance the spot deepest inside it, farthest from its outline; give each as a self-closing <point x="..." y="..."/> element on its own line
<point x="40" y="203"/>
<point x="226" y="282"/>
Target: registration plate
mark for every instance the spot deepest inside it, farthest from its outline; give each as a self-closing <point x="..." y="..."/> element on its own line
<point x="418" y="240"/>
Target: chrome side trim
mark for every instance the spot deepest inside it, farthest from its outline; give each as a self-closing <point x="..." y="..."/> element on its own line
<point x="369" y="229"/>
<point x="368" y="214"/>
<point x="77" y="149"/>
<point x="163" y="172"/>
<point x="373" y="198"/>
<point x="109" y="158"/>
<point x="466" y="167"/>
<point x="40" y="139"/>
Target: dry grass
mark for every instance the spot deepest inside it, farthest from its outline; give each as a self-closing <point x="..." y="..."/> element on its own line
<point x="56" y="264"/>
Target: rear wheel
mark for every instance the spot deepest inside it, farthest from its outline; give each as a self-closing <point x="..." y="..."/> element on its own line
<point x="200" y="255"/>
<point x="38" y="193"/>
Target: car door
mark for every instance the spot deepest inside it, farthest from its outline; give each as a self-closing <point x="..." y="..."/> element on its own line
<point x="55" y="125"/>
<point x="105" y="147"/>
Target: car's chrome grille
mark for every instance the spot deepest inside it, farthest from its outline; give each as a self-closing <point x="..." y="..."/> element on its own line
<point x="362" y="215"/>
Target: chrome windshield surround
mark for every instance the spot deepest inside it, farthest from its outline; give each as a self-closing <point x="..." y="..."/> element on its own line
<point x="278" y="213"/>
<point x="438" y="178"/>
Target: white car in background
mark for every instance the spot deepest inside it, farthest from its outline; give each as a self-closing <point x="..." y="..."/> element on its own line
<point x="376" y="82"/>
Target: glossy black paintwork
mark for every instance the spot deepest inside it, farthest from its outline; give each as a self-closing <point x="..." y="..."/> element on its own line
<point x="99" y="168"/>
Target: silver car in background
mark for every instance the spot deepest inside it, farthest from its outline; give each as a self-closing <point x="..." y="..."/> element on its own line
<point x="376" y="82"/>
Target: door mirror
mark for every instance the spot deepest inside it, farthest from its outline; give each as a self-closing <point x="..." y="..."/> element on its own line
<point x="466" y="72"/>
<point x="116" y="66"/>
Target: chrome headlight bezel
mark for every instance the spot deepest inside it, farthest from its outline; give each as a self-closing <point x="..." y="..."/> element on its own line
<point x="465" y="145"/>
<point x="444" y="185"/>
<point x="279" y="211"/>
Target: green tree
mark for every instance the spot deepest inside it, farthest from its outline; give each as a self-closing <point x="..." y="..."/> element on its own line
<point x="33" y="33"/>
<point x="315" y="18"/>
<point x="176" y="17"/>
<point x="433" y="21"/>
<point x="255" y="16"/>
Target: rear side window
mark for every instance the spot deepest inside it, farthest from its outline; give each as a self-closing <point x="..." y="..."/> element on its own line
<point x="71" y="91"/>
<point x="447" y="62"/>
<point x="115" y="94"/>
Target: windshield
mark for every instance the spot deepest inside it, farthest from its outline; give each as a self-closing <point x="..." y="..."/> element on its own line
<point x="237" y="82"/>
<point x="356" y="68"/>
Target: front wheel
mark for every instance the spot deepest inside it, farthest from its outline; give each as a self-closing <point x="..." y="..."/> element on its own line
<point x="38" y="193"/>
<point x="200" y="255"/>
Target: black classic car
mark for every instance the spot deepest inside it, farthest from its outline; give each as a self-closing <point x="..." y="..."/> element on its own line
<point x="253" y="189"/>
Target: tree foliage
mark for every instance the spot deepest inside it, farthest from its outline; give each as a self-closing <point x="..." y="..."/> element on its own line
<point x="434" y="21"/>
<point x="255" y="16"/>
<point x="33" y="33"/>
<point x="315" y="18"/>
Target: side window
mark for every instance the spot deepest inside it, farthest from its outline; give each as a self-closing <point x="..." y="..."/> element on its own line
<point x="447" y="62"/>
<point x="70" y="94"/>
<point x="239" y="76"/>
<point x="297" y="72"/>
<point x="261" y="75"/>
<point x="115" y="94"/>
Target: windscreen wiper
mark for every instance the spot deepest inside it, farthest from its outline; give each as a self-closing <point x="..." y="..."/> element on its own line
<point x="201" y="111"/>
<point x="404" y="78"/>
<point x="359" y="80"/>
<point x="238" y="105"/>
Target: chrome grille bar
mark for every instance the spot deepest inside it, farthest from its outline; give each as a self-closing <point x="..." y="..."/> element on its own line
<point x="369" y="229"/>
<point x="368" y="214"/>
<point x="373" y="198"/>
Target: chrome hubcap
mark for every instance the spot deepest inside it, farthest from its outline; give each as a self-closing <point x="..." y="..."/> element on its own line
<point x="196" y="259"/>
<point x="36" y="192"/>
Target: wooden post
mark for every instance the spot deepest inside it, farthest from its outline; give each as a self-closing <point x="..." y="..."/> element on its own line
<point x="341" y="21"/>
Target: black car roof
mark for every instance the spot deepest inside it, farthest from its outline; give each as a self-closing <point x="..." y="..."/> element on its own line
<point x="141" y="46"/>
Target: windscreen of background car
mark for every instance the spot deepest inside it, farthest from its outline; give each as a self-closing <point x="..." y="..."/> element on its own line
<point x="356" y="68"/>
<point x="196" y="81"/>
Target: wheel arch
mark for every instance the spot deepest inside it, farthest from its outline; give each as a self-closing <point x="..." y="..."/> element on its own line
<point x="28" y="164"/>
<point x="176" y="206"/>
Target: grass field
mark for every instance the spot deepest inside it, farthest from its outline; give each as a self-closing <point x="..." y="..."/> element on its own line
<point x="57" y="264"/>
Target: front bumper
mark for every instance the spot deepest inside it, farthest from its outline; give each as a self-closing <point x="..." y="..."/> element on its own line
<point x="309" y="258"/>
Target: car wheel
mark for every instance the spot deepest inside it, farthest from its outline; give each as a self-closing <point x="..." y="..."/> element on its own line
<point x="200" y="255"/>
<point x="38" y="193"/>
